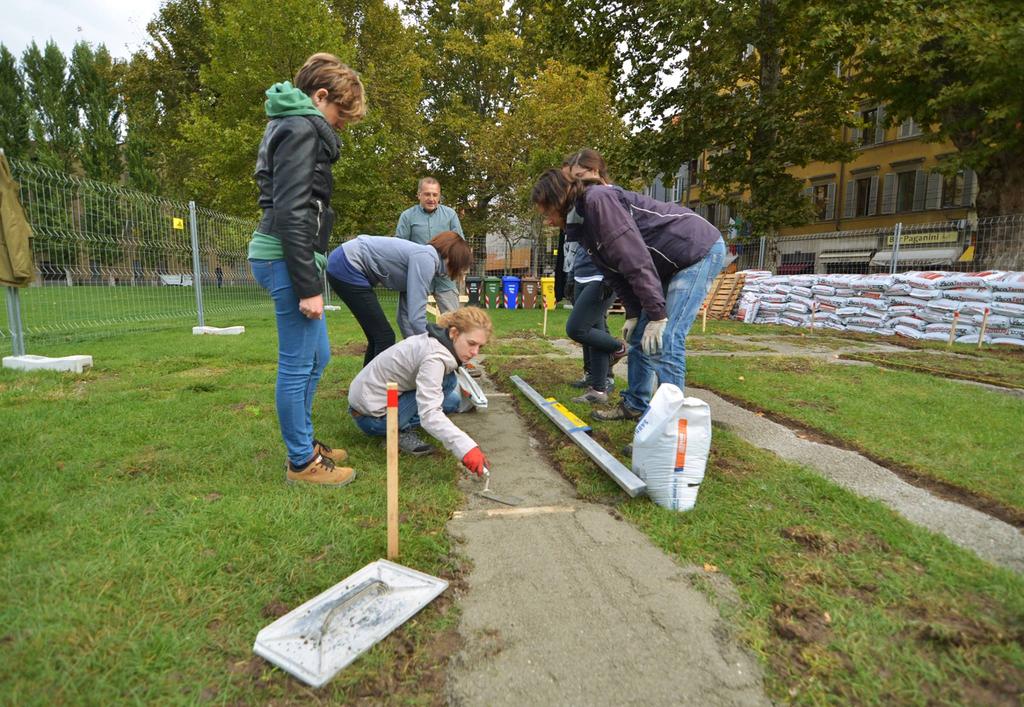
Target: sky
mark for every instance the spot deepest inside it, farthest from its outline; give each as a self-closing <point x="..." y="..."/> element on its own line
<point x="119" y="24"/>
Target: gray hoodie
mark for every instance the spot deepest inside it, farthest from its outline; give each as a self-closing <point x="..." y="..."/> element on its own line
<point x="399" y="265"/>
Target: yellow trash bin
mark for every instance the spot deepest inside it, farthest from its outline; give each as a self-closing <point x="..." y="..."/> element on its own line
<point x="547" y="290"/>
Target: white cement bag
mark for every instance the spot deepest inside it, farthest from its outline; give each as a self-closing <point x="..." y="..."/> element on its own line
<point x="671" y="446"/>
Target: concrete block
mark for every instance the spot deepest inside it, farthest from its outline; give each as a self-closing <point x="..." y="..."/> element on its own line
<point x="76" y="364"/>
<point x="219" y="331"/>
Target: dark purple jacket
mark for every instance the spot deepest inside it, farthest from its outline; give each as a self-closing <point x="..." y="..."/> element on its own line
<point x="640" y="243"/>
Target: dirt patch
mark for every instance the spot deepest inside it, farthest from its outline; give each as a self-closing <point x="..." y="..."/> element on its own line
<point x="274" y="610"/>
<point x="945" y="627"/>
<point x="942" y="489"/>
<point x="349" y="348"/>
<point x="802" y="624"/>
<point x="143" y="462"/>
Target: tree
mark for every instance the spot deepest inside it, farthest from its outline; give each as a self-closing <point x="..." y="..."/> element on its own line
<point x="751" y="82"/>
<point x="14" y="110"/>
<point x="955" y="67"/>
<point x="54" y="121"/>
<point x="95" y="80"/>
<point x="158" y="83"/>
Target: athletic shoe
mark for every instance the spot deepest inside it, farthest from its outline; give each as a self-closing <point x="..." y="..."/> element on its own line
<point x="594" y="397"/>
<point x="411" y="443"/>
<point x="619" y="412"/>
<point x="583" y="383"/>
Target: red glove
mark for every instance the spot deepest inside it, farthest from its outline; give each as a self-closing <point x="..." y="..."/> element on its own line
<point x="475" y="461"/>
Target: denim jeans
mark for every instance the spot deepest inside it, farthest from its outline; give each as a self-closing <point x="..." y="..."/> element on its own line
<point x="408" y="411"/>
<point x="302" y="354"/>
<point x="683" y="297"/>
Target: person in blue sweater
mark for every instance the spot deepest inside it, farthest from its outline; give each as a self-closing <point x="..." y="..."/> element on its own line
<point x="357" y="266"/>
<point x="288" y="249"/>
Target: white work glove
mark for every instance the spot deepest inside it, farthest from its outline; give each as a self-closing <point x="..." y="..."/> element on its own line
<point x="627" y="329"/>
<point x="651" y="340"/>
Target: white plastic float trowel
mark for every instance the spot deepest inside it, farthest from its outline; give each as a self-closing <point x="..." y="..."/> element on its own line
<point x="487" y="493"/>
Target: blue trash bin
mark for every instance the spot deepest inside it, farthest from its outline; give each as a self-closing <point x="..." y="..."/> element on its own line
<point x="510" y="286"/>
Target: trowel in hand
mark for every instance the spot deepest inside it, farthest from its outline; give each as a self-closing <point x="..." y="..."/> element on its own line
<point x="487" y="493"/>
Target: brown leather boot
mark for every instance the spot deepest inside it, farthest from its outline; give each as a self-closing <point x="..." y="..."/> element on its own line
<point x="335" y="455"/>
<point x="320" y="471"/>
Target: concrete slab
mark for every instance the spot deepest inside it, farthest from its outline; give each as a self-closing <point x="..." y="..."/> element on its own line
<point x="568" y="604"/>
<point x="218" y="331"/>
<point x="28" y="362"/>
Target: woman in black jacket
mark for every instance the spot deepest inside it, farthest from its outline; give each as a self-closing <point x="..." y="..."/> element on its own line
<point x="288" y="250"/>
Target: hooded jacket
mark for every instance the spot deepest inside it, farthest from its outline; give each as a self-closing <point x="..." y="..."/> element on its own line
<point x="641" y="243"/>
<point x="293" y="173"/>
<point x="16" y="265"/>
<point x="417" y="363"/>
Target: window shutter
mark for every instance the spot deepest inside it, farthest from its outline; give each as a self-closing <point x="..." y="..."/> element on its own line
<point x="920" y="190"/>
<point x="889" y="194"/>
<point x="850" y="200"/>
<point x="873" y="196"/>
<point x="880" y="125"/>
<point x="934" y="198"/>
<point x="968" y="187"/>
<point x="830" y="203"/>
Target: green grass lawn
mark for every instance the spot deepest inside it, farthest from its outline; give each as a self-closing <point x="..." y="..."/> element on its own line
<point x="147" y="534"/>
<point x="962" y="435"/>
<point x="843" y="601"/>
<point x="1007" y="372"/>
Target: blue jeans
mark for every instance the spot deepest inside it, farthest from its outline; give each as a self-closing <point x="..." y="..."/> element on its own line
<point x="408" y="411"/>
<point x="683" y="296"/>
<point x="302" y="354"/>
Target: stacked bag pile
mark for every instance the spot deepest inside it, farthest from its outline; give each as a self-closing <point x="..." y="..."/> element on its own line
<point x="916" y="305"/>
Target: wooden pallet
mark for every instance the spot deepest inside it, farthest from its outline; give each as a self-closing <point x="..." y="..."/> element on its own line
<point x="721" y="299"/>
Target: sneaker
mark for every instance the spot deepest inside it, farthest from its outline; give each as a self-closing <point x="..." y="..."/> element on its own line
<point x="619" y="412"/>
<point x="594" y="397"/>
<point x="411" y="443"/>
<point x="627" y="451"/>
<point x="321" y="471"/>
<point x="472" y="369"/>
<point x="583" y="383"/>
<point x="335" y="455"/>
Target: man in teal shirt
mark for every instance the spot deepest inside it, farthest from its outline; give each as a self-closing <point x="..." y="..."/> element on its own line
<point x="422" y="222"/>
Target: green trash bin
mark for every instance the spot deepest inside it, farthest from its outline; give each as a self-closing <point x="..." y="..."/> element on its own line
<point x="492" y="292"/>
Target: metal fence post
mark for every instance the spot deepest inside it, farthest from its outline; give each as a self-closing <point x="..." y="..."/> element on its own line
<point x="14" y="322"/>
<point x="897" y="232"/>
<point x="760" y="255"/>
<point x="197" y="266"/>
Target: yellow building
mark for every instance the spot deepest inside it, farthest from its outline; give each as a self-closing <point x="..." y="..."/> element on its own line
<point x="892" y="179"/>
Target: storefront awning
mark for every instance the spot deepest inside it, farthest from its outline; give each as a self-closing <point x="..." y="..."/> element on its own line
<point x="918" y="256"/>
<point x="795" y="268"/>
<point x="844" y="256"/>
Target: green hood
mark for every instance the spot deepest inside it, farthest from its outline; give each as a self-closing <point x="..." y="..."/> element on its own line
<point x="283" y="99"/>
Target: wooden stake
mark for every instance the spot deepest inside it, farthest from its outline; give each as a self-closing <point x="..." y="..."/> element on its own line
<point x="952" y="329"/>
<point x="704" y="317"/>
<point x="392" y="445"/>
<point x="814" y="310"/>
<point x="984" y="325"/>
<point x="544" y="303"/>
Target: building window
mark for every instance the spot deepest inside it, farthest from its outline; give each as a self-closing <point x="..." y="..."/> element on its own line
<point x="909" y="128"/>
<point x="867" y="134"/>
<point x="873" y="131"/>
<point x="905" y="184"/>
<point x="953" y="190"/>
<point x="693" y="170"/>
<point x="677" y="189"/>
<point x="866" y="193"/>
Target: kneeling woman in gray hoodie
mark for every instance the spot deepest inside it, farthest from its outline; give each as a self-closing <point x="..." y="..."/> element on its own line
<point x="355" y="267"/>
<point x="424" y="368"/>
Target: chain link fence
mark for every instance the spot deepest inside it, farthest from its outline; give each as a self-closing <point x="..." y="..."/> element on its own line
<point x="109" y="258"/>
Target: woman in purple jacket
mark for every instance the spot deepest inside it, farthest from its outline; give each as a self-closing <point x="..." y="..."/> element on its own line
<point x="659" y="258"/>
